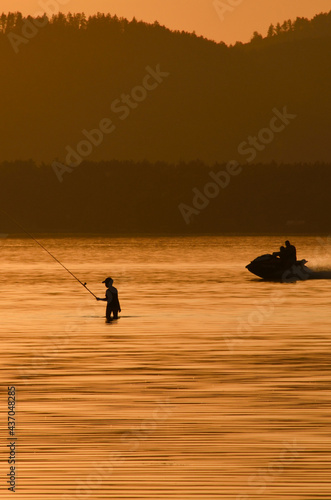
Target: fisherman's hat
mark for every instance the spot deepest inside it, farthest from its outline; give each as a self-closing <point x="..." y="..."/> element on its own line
<point x="108" y="280"/>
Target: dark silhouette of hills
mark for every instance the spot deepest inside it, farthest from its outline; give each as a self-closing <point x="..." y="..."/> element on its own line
<point x="62" y="76"/>
<point x="134" y="198"/>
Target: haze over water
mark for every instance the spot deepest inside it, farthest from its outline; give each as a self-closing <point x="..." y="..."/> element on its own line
<point x="212" y="385"/>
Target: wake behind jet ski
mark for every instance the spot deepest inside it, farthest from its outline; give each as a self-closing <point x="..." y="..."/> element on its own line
<point x="280" y="266"/>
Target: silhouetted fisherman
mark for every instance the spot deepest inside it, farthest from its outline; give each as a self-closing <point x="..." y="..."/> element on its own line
<point x="113" y="304"/>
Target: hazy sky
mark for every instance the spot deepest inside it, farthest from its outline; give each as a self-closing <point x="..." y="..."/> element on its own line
<point x="239" y="20"/>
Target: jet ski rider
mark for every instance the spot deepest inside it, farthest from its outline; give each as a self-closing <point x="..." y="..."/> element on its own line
<point x="287" y="254"/>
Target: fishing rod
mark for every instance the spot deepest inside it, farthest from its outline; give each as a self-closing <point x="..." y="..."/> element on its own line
<point x="49" y="253"/>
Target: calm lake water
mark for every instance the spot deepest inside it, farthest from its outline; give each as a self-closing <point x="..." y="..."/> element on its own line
<point x="212" y="385"/>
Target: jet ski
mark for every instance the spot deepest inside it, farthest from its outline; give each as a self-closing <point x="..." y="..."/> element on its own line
<point x="271" y="268"/>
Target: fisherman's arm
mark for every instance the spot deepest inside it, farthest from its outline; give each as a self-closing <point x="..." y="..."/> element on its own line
<point x="108" y="298"/>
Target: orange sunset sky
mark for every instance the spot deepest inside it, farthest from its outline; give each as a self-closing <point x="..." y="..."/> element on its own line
<point x="238" y="23"/>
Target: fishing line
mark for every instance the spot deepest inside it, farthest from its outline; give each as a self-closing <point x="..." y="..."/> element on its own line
<point x="49" y="253"/>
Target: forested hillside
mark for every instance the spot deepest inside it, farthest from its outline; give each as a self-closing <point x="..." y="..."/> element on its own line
<point x="160" y="95"/>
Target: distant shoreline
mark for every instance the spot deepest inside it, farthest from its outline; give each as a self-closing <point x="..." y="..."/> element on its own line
<point x="164" y="235"/>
